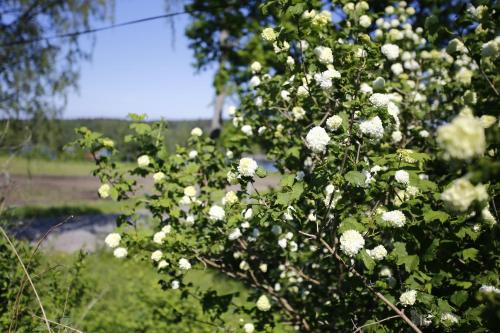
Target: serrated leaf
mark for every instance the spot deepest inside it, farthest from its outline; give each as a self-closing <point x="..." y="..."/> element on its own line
<point x="367" y="260"/>
<point x="432" y="215"/>
<point x="459" y="297"/>
<point x="470" y="253"/>
<point x="355" y="178"/>
<point x="287" y="180"/>
<point x="351" y="224"/>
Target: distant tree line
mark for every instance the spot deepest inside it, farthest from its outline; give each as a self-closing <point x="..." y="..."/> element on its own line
<point x="44" y="137"/>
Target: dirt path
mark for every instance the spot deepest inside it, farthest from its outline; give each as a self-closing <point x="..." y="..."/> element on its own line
<point x="84" y="232"/>
<point x="65" y="190"/>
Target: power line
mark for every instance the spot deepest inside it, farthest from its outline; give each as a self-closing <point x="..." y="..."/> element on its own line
<point x="112" y="26"/>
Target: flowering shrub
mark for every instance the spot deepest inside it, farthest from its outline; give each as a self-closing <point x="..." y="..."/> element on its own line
<point x="386" y="150"/>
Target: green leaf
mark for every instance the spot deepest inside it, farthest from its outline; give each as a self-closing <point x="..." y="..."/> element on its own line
<point x="411" y="262"/>
<point x="355" y="178"/>
<point x="137" y="117"/>
<point x="367" y="260"/>
<point x="470" y="253"/>
<point x="399" y="250"/>
<point x="297" y="190"/>
<point x="141" y="128"/>
<point x="459" y="297"/>
<point x="287" y="180"/>
<point x="261" y="172"/>
<point x="432" y="215"/>
<point x="351" y="224"/>
<point x="295" y="9"/>
<point x="283" y="198"/>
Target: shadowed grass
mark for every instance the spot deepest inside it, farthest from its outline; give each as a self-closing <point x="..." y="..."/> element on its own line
<point x="78" y="208"/>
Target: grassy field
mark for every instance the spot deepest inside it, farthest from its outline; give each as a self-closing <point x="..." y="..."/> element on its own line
<point x="21" y="166"/>
<point x="116" y="295"/>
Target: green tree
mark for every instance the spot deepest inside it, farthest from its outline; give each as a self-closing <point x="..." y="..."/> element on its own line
<point x="35" y="71"/>
<point x="226" y="34"/>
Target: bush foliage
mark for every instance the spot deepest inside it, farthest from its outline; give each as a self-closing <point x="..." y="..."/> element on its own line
<point x="386" y="144"/>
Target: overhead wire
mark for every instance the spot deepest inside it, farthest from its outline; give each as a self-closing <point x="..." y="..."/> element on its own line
<point x="109" y="27"/>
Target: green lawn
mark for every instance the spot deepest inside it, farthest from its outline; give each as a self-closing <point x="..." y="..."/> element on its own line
<point x="125" y="296"/>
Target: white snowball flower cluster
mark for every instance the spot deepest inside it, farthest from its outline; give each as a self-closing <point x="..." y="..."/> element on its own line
<point x="351" y="242"/>
<point x="461" y="194"/>
<point x="192" y="154"/>
<point x="143" y="161"/>
<point x="377" y="253"/>
<point x="190" y="191"/>
<point x="175" y="284"/>
<point x="254" y="81"/>
<point x="248" y="213"/>
<point x="248" y="328"/>
<point x="156" y="255"/>
<point x="247" y="167"/>
<point x="232" y="178"/>
<point x="298" y="112"/>
<point x="456" y="45"/>
<point x="162" y="264"/>
<point x="268" y="34"/>
<point x="256" y="67"/>
<point x="244" y="266"/>
<point x="159" y="237"/>
<point x="396" y="136"/>
<point x="402" y="177"/>
<point x="489" y="289"/>
<point x="113" y="240"/>
<point x="184" y="264"/>
<point x="196" y="131"/>
<point x="230" y="198"/>
<point x="490" y="49"/>
<point x="365" y="21"/>
<point x="324" y="79"/>
<point x="449" y="318"/>
<point x="324" y="54"/>
<point x="120" y="252"/>
<point x="104" y="190"/>
<point x="380" y="100"/>
<point x="395" y="217"/>
<point x="334" y="122"/>
<point x="464" y="76"/>
<point x="285" y="95"/>
<point x="463" y="138"/>
<point x="247" y="130"/>
<point x="158" y="176"/>
<point x="235" y="234"/>
<point x="391" y="51"/>
<point x="408" y="297"/>
<point x="372" y="128"/>
<point x="397" y="68"/>
<point x="263" y="303"/>
<point x="365" y="88"/>
<point x="216" y="213"/>
<point x="317" y="139"/>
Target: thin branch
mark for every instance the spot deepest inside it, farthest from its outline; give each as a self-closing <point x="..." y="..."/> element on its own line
<point x="58" y="324"/>
<point x="371" y="289"/>
<point x="360" y="328"/>
<point x="28" y="276"/>
<point x="23" y="281"/>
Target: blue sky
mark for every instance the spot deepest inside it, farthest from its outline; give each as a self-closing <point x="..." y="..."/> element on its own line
<point x="136" y="69"/>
